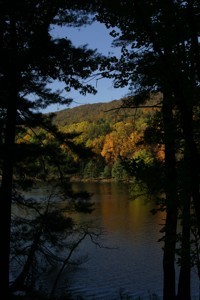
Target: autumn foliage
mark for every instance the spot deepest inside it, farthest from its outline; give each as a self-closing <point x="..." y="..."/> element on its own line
<point x="109" y="131"/>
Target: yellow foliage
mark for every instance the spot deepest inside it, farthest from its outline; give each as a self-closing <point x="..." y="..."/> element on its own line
<point x="121" y="142"/>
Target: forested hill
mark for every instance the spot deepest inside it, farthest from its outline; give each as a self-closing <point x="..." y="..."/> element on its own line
<point x="89" y="112"/>
<point x="108" y="112"/>
<point x="112" y="133"/>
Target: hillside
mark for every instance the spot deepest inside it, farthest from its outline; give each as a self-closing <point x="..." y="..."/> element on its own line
<point x="90" y="113"/>
<point x="109" y="111"/>
<point x="101" y="137"/>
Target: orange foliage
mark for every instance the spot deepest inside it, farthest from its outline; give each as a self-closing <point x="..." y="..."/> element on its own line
<point x="121" y="142"/>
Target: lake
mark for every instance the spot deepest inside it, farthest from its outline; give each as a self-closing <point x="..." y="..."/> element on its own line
<point x="129" y="265"/>
<point x="133" y="267"/>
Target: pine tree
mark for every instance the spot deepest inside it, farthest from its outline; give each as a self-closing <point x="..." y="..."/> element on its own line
<point x="30" y="60"/>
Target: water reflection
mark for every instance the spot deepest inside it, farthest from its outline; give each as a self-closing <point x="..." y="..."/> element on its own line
<point x="135" y="267"/>
<point x="117" y="212"/>
<point x="133" y="264"/>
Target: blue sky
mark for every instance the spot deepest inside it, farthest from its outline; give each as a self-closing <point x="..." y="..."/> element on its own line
<point x="96" y="36"/>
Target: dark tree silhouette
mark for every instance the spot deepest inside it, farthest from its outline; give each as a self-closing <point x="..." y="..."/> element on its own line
<point x="30" y="60"/>
<point x="160" y="54"/>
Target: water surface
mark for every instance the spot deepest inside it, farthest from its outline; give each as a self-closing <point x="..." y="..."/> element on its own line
<point x="134" y="265"/>
<point x="129" y="263"/>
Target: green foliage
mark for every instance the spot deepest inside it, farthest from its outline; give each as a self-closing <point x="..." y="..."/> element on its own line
<point x="144" y="157"/>
<point x="107" y="172"/>
<point x="118" y="171"/>
<point x="92" y="170"/>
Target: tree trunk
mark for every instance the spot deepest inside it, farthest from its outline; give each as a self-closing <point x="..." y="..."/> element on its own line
<point x="7" y="168"/>
<point x="184" y="288"/>
<point x="169" y="289"/>
<point x="193" y="154"/>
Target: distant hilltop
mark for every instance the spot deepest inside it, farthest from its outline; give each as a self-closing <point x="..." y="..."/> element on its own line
<point x="110" y="111"/>
<point x="87" y="112"/>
